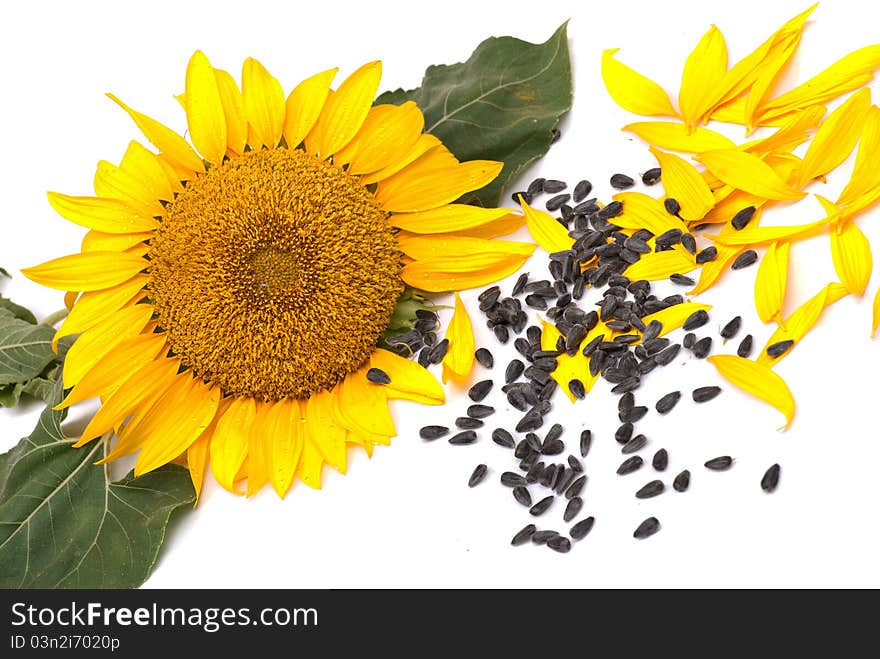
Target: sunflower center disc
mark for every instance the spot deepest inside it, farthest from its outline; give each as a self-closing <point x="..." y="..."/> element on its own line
<point x="274" y="275"/>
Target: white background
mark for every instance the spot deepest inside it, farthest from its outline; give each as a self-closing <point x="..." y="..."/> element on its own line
<point x="406" y="518"/>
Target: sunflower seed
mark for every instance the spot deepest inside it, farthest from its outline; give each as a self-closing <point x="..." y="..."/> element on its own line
<point x="433" y="432"/>
<point x="552" y="447"/>
<point x="630" y="465"/>
<point x="672" y="206"/>
<point x="613" y="209"/>
<point x="502" y="334"/>
<point x="378" y="376"/>
<point x="626" y="402"/>
<point x="660" y="460"/>
<point x="513" y="371"/>
<point x="580" y="530"/>
<point x="542" y="506"/>
<point x="560" y="544"/>
<point x="695" y="320"/>
<point x="524" y="535"/>
<point x="621" y="182"/>
<point x="425" y="357"/>
<point x="744" y="260"/>
<point x="480" y="390"/>
<point x="526" y="197"/>
<point x="581" y="190"/>
<point x="531" y="421"/>
<point x="666" y="355"/>
<point x="484" y="357"/>
<point x="652" y="330"/>
<point x="651" y="176"/>
<point x="779" y="348"/>
<point x="555" y="203"/>
<point x="503" y="438"/>
<point x="681" y="280"/>
<point x="477" y="475"/>
<point x="745" y="346"/>
<point x="689" y="243"/>
<point x="627" y="385"/>
<point x="647" y="528"/>
<point x="463" y="438"/>
<point x="520" y="284"/>
<point x="743" y="217"/>
<point x="491" y="293"/>
<point x="576" y="487"/>
<point x="708" y="254"/>
<point x="522" y="496"/>
<point x="730" y="330"/>
<point x="702" y="347"/>
<point x="575" y="465"/>
<point x="467" y="423"/>
<point x="720" y="463"/>
<point x="703" y="394"/>
<point x="480" y="411"/>
<point x="624" y="433"/>
<point x="552" y="186"/>
<point x="534" y="442"/>
<point x="536" y="186"/>
<point x="586" y="442"/>
<point x="438" y="352"/>
<point x="682" y="481"/>
<point x="522" y="450"/>
<point x="637" y="443"/>
<point x="770" y="479"/>
<point x="649" y="490"/>
<point x="576" y="387"/>
<point x="511" y="479"/>
<point x="633" y="414"/>
<point x="535" y="472"/>
<point x="667" y="402"/>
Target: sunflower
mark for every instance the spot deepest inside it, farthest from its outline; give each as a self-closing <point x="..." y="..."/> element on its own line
<point x="231" y="293"/>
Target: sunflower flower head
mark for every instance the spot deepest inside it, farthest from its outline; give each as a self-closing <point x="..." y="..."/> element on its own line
<point x="230" y="293"/>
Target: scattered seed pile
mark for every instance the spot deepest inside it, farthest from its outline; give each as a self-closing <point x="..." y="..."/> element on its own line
<point x="539" y="474"/>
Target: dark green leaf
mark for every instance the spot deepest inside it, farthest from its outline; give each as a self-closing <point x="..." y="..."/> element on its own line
<point x="502" y="104"/>
<point x="17" y="310"/>
<point x="64" y="524"/>
<point x="4" y="273"/>
<point x="25" y="349"/>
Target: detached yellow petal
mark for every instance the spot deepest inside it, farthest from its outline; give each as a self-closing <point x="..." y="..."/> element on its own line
<point x="837" y="136"/>
<point x="674" y="136"/>
<point x="632" y="91"/>
<point x="851" y="253"/>
<point x="166" y="140"/>
<point x="866" y="173"/>
<point x="91" y="271"/>
<point x="458" y="273"/>
<point x="409" y="380"/>
<point x="771" y="281"/>
<point x="747" y="172"/>
<point x="571" y="367"/>
<point x="263" y="101"/>
<point x="660" y="265"/>
<point x="685" y="184"/>
<point x="459" y="359"/>
<point x="704" y="70"/>
<point x="802" y="319"/>
<point x="546" y="231"/>
<point x="204" y="109"/>
<point x="875" y="321"/>
<point x="233" y="111"/>
<point x="758" y="234"/>
<point x="304" y="106"/>
<point x="766" y="77"/>
<point x="101" y="214"/>
<point x="794" y="132"/>
<point x="452" y="217"/>
<point x="643" y="212"/>
<point x="673" y="317"/>
<point x="417" y="189"/>
<point x="711" y="271"/>
<point x="427" y="247"/>
<point x="758" y="380"/>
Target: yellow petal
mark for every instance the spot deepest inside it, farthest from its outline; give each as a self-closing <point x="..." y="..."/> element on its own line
<point x="459" y="359"/>
<point x="503" y="226"/>
<point x="91" y="271"/>
<point x="257" y="452"/>
<point x="426" y="247"/>
<point x="424" y="144"/>
<point x="674" y="136"/>
<point x="388" y="134"/>
<point x="711" y="271"/>
<point x="728" y="206"/>
<point x="802" y="319"/>
<point x="101" y="214"/>
<point x="263" y="102"/>
<point x="233" y="111"/>
<point x="364" y="406"/>
<point x="460" y="273"/>
<point x="704" y="69"/>
<point x="204" y="109"/>
<point x="758" y="380"/>
<point x="323" y="431"/>
<point x="660" y="265"/>
<point x="344" y="111"/>
<point x="91" y="346"/>
<point x="643" y="212"/>
<point x="673" y="317"/>
<point x="546" y="231"/>
<point x="419" y="189"/>
<point x="848" y="73"/>
<point x="127" y="189"/>
<point x="304" y="106"/>
<point x="285" y="443"/>
<point x="875" y="321"/>
<point x="97" y="241"/>
<point x="143" y="166"/>
<point x="683" y="183"/>
<point x="865" y="174"/>
<point x="771" y="282"/>
<point x="837" y="136"/>
<point x="452" y="217"/>
<point x="632" y="91"/>
<point x="166" y="140"/>
<point x="756" y="235"/>
<point x="230" y="442"/>
<point x="175" y="422"/>
<point x="767" y="74"/>
<point x="747" y="172"/>
<point x="311" y="463"/>
<point x="92" y="307"/>
<point x="572" y="367"/>
<point x="851" y="253"/>
<point x="409" y="379"/>
<point x="794" y="132"/>
<point x="197" y="461"/>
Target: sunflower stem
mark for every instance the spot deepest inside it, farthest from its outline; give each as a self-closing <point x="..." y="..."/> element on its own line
<point x="55" y="318"/>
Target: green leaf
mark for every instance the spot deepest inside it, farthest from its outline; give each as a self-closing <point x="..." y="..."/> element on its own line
<point x="25" y="349"/>
<point x="17" y="310"/>
<point x="502" y="104"/>
<point x="5" y="273"/>
<point x="64" y="524"/>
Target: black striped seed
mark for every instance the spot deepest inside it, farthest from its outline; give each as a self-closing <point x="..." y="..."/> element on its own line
<point x="552" y="447"/>
<point x="672" y="206"/>
<point x="463" y="438"/>
<point x="621" y="182"/>
<point x="542" y="506"/>
<point x="552" y="186"/>
<point x="581" y="190"/>
<point x="682" y="481"/>
<point x="378" y="376"/>
<point x="744" y="260"/>
<point x="637" y="443"/>
<point x="512" y="479"/>
<point x="651" y="176"/>
<point x="586" y="442"/>
<point x="666" y="355"/>
<point x="743" y="217"/>
<point x="667" y="402"/>
<point x="770" y="480"/>
<point x="689" y="340"/>
<point x="560" y="544"/>
<point x="575" y="464"/>
<point x="706" y="255"/>
<point x="745" y="346"/>
<point x="522" y="496"/>
<point x="732" y="328"/>
<point x="652" y="330"/>
<point x="531" y="421"/>
<point x="520" y="284"/>
<point x="572" y="509"/>
<point x="647" y="528"/>
<point x="721" y="463"/>
<point x="623" y="433"/>
<point x="703" y="347"/>
<point x="524" y="535"/>
<point x="543" y="537"/>
<point x="433" y="432"/>
<point x="555" y="203"/>
<point x="467" y="423"/>
<point x="513" y="371"/>
<point x="555" y="432"/>
<point x="576" y="387"/>
<point x="703" y="394"/>
<point x="502" y="334"/>
<point x="627" y="385"/>
<point x="660" y="460"/>
<point x="681" y="280"/>
<point x="533" y="442"/>
<point x="484" y="357"/>
<point x="576" y="488"/>
<point x="478" y="475"/>
<point x="696" y="319"/>
<point x="536" y="186"/>
<point x="503" y="438"/>
<point x="779" y="348"/>
<point x="689" y="243"/>
<point x="535" y="472"/>
<point x="580" y="530"/>
<point x="650" y="490"/>
<point x="480" y="411"/>
<point x="633" y="414"/>
<point x="480" y="390"/>
<point x="630" y="465"/>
